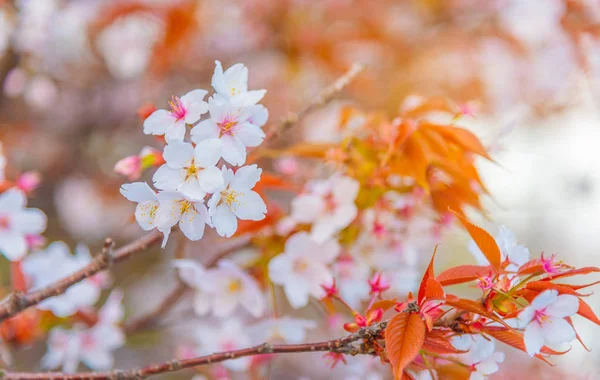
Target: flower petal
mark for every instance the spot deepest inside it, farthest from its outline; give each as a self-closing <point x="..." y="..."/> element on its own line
<point x="138" y="192"/>
<point x="175" y="132"/>
<point x="224" y="221"/>
<point x="534" y="339"/>
<point x="246" y="177"/>
<point x="206" y="129"/>
<point x="234" y="151"/>
<point x="208" y="152"/>
<point x="178" y="154"/>
<point x="565" y="305"/>
<point x="210" y="180"/>
<point x="250" y="135"/>
<point x="158" y="122"/>
<point x="249" y="206"/>
<point x="194" y="105"/>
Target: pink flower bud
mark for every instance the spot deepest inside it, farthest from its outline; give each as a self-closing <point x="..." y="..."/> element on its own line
<point x="129" y="166"/>
<point x="287" y="166"/>
<point x="29" y="181"/>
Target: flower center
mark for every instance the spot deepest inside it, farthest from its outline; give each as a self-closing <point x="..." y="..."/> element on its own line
<point x="330" y="203"/>
<point x="300" y="265"/>
<point x="149" y="208"/>
<point x="178" y="110"/>
<point x="4" y="222"/>
<point x="228" y="127"/>
<point x="230" y="197"/>
<point x="191" y="171"/>
<point x="184" y="206"/>
<point x="541" y="317"/>
<point x="235" y="286"/>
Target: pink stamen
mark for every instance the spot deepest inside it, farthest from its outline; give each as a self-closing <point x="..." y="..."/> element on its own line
<point x="178" y="110"/>
<point x="228" y="126"/>
<point x="541" y="316"/>
<point x="4" y="222"/>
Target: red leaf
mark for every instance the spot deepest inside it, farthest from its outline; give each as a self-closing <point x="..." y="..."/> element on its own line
<point x="532" y="266"/>
<point x="586" y="311"/>
<point x="384" y="305"/>
<point x="484" y="241"/>
<point x="404" y="337"/>
<point x="462" y="274"/>
<point x="430" y="288"/>
<point x="575" y="272"/>
<point x="540" y="286"/>
<point x="440" y="345"/>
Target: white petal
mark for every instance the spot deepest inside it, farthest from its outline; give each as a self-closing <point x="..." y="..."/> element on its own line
<point x="194" y="105"/>
<point x="158" y="122"/>
<point x="98" y="359"/>
<point x="218" y="79"/>
<point x="544" y="299"/>
<point x="208" y="152"/>
<point x="525" y="316"/>
<point x="250" y="135"/>
<point x="565" y="305"/>
<point x="202" y="303"/>
<point x="299" y="243"/>
<point x="259" y="115"/>
<point x="145" y="214"/>
<point x="192" y="188"/>
<point x="175" y="132"/>
<point x="249" y="98"/>
<point x="328" y="251"/>
<point x="297" y="294"/>
<point x="210" y="180"/>
<point x="138" y="192"/>
<point x="224" y="304"/>
<point x="345" y="189"/>
<point x="307" y="208"/>
<point x="323" y="229"/>
<point x="192" y="222"/>
<point x="178" y="154"/>
<point x="190" y="271"/>
<point x="206" y="129"/>
<point x="279" y="269"/>
<point x="12" y="200"/>
<point x="558" y="330"/>
<point x="253" y="299"/>
<point x="13" y="246"/>
<point x="224" y="221"/>
<point x="166" y="178"/>
<point x="249" y="206"/>
<point x="30" y="221"/>
<point x="246" y="177"/>
<point x="534" y="339"/>
<point x="234" y="151"/>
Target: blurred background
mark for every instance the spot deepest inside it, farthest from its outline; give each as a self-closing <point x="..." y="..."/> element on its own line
<point x="75" y="73"/>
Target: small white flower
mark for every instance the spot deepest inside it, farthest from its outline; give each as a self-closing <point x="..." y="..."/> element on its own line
<point x="221" y="289"/>
<point x="328" y="205"/>
<point x="231" y="335"/>
<point x="544" y="320"/>
<point x="288" y="330"/>
<point x="190" y="170"/>
<point x="93" y="346"/>
<point x="175" y="208"/>
<point x="232" y="85"/>
<point x="17" y="222"/>
<point x="351" y="279"/>
<point x="234" y="126"/>
<point x="147" y="199"/>
<point x="481" y="354"/>
<point x="487" y="367"/>
<point x="56" y="262"/>
<point x="516" y="254"/>
<point x="184" y="110"/>
<point x="302" y="268"/>
<point x="236" y="199"/>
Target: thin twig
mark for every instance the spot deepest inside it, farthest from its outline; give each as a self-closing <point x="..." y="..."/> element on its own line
<point x="359" y="343"/>
<point x="18" y="301"/>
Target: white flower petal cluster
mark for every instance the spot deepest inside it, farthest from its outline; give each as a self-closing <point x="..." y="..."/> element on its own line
<point x="190" y="175"/>
<point x="481" y="356"/>
<point x="93" y="346"/>
<point x="45" y="267"/>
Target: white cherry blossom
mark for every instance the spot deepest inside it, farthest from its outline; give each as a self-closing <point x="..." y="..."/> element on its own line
<point x="230" y="335"/>
<point x="328" y="205"/>
<point x="487" y="367"/>
<point x="17" y="223"/>
<point x="303" y="267"/>
<point x="93" y="346"/>
<point x="190" y="170"/>
<point x="236" y="200"/>
<point x="236" y="127"/>
<point x="184" y="110"/>
<point x="175" y="208"/>
<point x="221" y="289"/>
<point x="516" y="254"/>
<point x="351" y="278"/>
<point x="147" y="200"/>
<point x="56" y="262"/>
<point x="288" y="330"/>
<point x="544" y="320"/>
<point x="232" y="85"/>
<point x="481" y="354"/>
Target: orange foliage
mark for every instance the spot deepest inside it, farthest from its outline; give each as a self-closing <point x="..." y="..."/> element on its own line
<point x="404" y="337"/>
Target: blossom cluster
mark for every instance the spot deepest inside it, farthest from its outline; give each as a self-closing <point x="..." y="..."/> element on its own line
<point x="193" y="190"/>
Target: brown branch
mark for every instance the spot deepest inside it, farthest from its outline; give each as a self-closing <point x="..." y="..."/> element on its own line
<point x="18" y="301"/>
<point x="359" y="343"/>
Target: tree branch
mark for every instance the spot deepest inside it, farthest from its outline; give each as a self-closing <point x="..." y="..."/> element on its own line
<point x="18" y="301"/>
<point x="359" y="343"/>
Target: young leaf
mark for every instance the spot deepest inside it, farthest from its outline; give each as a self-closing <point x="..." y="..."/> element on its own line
<point x="472" y="307"/>
<point x="586" y="311"/>
<point x="540" y="286"/>
<point x="462" y="274"/>
<point x="439" y="344"/>
<point x="404" y="337"/>
<point x="575" y="272"/>
<point x="430" y="288"/>
<point x="485" y="241"/>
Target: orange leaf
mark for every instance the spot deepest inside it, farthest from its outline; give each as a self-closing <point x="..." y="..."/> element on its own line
<point x="430" y="288"/>
<point x="532" y="266"/>
<point x="516" y="340"/>
<point x="461" y="137"/>
<point x="586" y="311"/>
<point x="440" y="345"/>
<point x="473" y="307"/>
<point x="462" y="274"/>
<point x="485" y="241"/>
<point x="404" y="337"/>
<point x="540" y="286"/>
<point x="576" y="272"/>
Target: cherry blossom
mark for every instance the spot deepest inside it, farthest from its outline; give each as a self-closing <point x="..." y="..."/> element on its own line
<point x="147" y="199"/>
<point x="516" y="254"/>
<point x="194" y="275"/>
<point x="175" y="208"/>
<point x="232" y="85"/>
<point x="352" y="280"/>
<point x="236" y="200"/>
<point x="230" y="335"/>
<point x="184" y="110"/>
<point x="487" y="367"/>
<point x="92" y="346"/>
<point x="544" y="320"/>
<point x="288" y="330"/>
<point x="328" y="205"/>
<point x="302" y="268"/>
<point x="56" y="262"/>
<point x="190" y="170"/>
<point x="17" y="222"/>
<point x="236" y="127"/>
